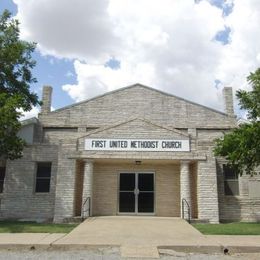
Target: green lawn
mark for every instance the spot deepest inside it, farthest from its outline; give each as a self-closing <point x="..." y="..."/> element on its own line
<point x="33" y="227"/>
<point x="236" y="228"/>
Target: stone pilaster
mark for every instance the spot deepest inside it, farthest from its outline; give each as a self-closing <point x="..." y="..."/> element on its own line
<point x="46" y="99"/>
<point x="208" y="206"/>
<point x="65" y="182"/>
<point x="88" y="185"/>
<point x="185" y="186"/>
<point x="193" y="138"/>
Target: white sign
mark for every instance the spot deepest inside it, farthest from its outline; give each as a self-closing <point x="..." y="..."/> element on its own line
<point x="149" y="145"/>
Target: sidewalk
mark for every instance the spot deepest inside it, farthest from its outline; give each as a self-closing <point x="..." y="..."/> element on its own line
<point x="210" y="243"/>
<point x="28" y="240"/>
<point x="238" y="244"/>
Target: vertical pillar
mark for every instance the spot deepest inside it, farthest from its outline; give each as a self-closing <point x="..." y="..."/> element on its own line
<point x="185" y="187"/>
<point x="65" y="182"/>
<point x="208" y="205"/>
<point x="87" y="186"/>
<point x="46" y="99"/>
<point x="228" y="101"/>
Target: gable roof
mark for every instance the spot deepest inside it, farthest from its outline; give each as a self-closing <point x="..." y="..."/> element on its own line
<point x="135" y="86"/>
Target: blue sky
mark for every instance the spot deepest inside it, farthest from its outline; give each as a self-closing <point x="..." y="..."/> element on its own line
<point x="77" y="73"/>
<point x="49" y="70"/>
<point x="53" y="71"/>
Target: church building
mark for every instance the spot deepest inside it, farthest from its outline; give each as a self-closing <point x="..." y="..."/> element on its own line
<point x="132" y="151"/>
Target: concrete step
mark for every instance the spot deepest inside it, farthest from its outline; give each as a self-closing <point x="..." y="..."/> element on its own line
<point x="73" y="220"/>
<point x="202" y="221"/>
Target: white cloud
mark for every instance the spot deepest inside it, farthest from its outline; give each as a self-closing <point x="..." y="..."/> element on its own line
<point x="68" y="29"/>
<point x="170" y="48"/>
<point x="29" y="114"/>
<point x="165" y="44"/>
<point x="97" y="79"/>
<point x="258" y="58"/>
<point x="32" y="113"/>
<point x="241" y="56"/>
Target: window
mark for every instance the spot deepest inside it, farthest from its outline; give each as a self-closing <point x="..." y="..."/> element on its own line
<point x="2" y="178"/>
<point x="43" y="177"/>
<point x="231" y="186"/>
<point x="254" y="188"/>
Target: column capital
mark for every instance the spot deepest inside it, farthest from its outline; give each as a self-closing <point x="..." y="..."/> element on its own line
<point x="185" y="162"/>
<point x="90" y="161"/>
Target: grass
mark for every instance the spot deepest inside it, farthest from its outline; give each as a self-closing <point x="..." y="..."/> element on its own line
<point x="33" y="227"/>
<point x="237" y="228"/>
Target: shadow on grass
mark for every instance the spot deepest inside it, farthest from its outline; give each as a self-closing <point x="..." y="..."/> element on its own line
<point x="33" y="227"/>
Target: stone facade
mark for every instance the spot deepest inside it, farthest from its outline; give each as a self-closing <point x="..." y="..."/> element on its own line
<point x="135" y="112"/>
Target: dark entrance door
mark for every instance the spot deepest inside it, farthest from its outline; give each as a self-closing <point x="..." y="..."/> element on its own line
<point x="136" y="193"/>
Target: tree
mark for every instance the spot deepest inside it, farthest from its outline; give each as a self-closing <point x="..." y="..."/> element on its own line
<point x="16" y="64"/>
<point x="241" y="147"/>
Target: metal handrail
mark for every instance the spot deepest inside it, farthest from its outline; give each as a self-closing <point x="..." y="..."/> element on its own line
<point x="84" y="210"/>
<point x="188" y="206"/>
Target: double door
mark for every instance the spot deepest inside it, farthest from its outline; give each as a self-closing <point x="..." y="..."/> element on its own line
<point x="136" y="193"/>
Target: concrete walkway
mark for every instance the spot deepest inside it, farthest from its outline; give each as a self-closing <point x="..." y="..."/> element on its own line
<point x="136" y="237"/>
<point x="135" y="231"/>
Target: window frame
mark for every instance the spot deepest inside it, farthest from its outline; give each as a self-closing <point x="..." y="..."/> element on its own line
<point x="42" y="178"/>
<point x="2" y="181"/>
<point x="234" y="179"/>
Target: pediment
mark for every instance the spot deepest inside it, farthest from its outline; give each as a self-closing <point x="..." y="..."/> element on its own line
<point x="137" y="128"/>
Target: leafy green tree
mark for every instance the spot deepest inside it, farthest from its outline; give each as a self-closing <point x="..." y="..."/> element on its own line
<point x="241" y="147"/>
<point x="16" y="64"/>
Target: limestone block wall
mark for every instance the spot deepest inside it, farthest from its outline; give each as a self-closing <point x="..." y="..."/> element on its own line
<point x="162" y="108"/>
<point x="19" y="199"/>
<point x="207" y="188"/>
<point x="207" y="191"/>
<point x="105" y="186"/>
<point x="242" y="207"/>
<point x="238" y="208"/>
<point x="65" y="186"/>
<point x="56" y="135"/>
<point x="167" y="187"/>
